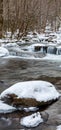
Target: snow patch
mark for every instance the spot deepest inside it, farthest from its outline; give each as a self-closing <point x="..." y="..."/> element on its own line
<point x="30" y="109"/>
<point x="59" y="127"/>
<point x="4" y="108"/>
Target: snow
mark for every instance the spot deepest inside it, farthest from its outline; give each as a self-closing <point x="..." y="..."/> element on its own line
<point x="38" y="90"/>
<point x="31" y="48"/>
<point x="3" y="52"/>
<point x="1" y="40"/>
<point x="52" y="57"/>
<point x="32" y="120"/>
<point x="59" y="127"/>
<point x="14" y="49"/>
<point x="4" y="108"/>
<point x="8" y="34"/>
<point x="9" y="45"/>
<point x="35" y="40"/>
<point x="59" y="47"/>
<point x="20" y="47"/>
<point x="60" y="66"/>
<point x="30" y="109"/>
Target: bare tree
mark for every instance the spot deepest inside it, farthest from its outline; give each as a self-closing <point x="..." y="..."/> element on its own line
<point x="28" y="15"/>
<point x="1" y="17"/>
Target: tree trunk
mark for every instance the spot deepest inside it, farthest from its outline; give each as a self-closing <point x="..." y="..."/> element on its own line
<point x="1" y="17"/>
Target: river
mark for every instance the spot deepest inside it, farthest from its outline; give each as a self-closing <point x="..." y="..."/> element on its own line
<point x="13" y="70"/>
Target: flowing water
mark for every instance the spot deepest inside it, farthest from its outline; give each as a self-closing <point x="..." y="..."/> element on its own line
<point x="18" y="69"/>
<point x="28" y="64"/>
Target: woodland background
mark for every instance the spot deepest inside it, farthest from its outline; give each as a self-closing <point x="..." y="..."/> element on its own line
<point x="29" y="15"/>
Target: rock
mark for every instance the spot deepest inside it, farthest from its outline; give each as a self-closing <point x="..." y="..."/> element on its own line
<point x="37" y="48"/>
<point x="30" y="94"/>
<point x="32" y="120"/>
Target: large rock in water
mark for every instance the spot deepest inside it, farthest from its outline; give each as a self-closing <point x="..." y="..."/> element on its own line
<point x="30" y="93"/>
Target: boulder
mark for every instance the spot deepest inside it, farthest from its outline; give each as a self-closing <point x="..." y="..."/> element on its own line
<point x="30" y="93"/>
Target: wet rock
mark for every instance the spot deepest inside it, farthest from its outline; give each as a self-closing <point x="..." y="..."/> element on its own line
<point x="37" y="48"/>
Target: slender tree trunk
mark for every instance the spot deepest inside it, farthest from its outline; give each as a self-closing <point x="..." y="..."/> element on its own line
<point x="1" y="17"/>
<point x="8" y="15"/>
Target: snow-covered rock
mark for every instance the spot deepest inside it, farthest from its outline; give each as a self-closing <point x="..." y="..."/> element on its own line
<point x="30" y="93"/>
<point x="4" y="108"/>
<point x="3" y="52"/>
<point x="32" y="120"/>
<point x="10" y="45"/>
<point x="58" y="127"/>
<point x="14" y="49"/>
<point x="35" y="40"/>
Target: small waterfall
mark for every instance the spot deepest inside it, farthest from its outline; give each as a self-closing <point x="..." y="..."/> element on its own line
<point x="58" y="51"/>
<point x="42" y="49"/>
<point x="45" y="49"/>
<point x="37" y="48"/>
<point x="52" y="50"/>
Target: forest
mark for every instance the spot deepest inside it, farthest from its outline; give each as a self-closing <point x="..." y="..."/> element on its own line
<point x="30" y="64"/>
<point x="29" y="15"/>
